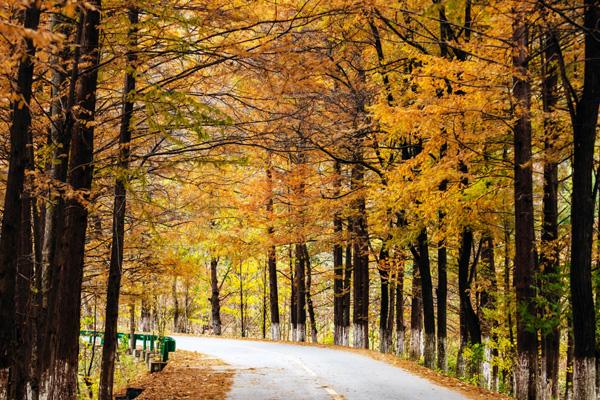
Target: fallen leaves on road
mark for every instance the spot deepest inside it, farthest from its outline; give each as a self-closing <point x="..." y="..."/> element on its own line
<point x="188" y="375"/>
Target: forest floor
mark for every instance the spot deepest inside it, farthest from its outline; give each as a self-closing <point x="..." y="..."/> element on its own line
<point x="280" y="370"/>
<point x="188" y="375"/>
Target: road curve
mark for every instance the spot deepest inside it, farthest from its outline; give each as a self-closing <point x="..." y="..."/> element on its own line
<point x="271" y="370"/>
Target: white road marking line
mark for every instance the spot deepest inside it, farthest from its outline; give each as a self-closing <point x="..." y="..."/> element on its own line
<point x="334" y="395"/>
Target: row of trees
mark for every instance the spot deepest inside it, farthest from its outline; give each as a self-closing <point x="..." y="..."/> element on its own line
<point x="317" y="164"/>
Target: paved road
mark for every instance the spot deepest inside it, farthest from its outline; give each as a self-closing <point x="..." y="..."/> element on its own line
<point x="269" y="371"/>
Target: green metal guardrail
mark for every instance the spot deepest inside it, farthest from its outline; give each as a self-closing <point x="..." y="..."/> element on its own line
<point x="165" y="344"/>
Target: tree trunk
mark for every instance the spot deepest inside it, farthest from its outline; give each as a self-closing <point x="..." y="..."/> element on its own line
<point x="582" y="212"/>
<point x="424" y="265"/>
<point x="71" y="244"/>
<point x="293" y="296"/>
<point x="300" y="286"/>
<point x="13" y="205"/>
<point x="132" y="341"/>
<point x="526" y="365"/>
<point x="384" y="276"/>
<point x="272" y="263"/>
<point x="309" y="302"/>
<point x="442" y="295"/>
<point x="242" y="316"/>
<point x="487" y="302"/>
<point x="60" y="137"/>
<point x="111" y="320"/>
<point x="549" y="259"/>
<point x="215" y="301"/>
<point x="470" y="330"/>
<point x="416" y="315"/>
<point x="347" y="292"/>
<point x="23" y="297"/>
<point x="338" y="269"/>
<point x="360" y="262"/>
<point x="400" y="327"/>
<point x="176" y="309"/>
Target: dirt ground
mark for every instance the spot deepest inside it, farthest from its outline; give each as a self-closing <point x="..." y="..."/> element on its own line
<point x="188" y="375"/>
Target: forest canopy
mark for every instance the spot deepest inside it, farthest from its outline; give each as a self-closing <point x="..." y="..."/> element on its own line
<point x="416" y="177"/>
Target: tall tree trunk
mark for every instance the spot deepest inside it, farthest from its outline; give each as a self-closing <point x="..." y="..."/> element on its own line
<point x="23" y="296"/>
<point x="526" y="365"/>
<point x="338" y="268"/>
<point x="384" y="276"/>
<point x="132" y="341"/>
<point x="215" y="302"/>
<point x="109" y="349"/>
<point x="62" y="110"/>
<point x="13" y="204"/>
<point x="349" y="268"/>
<point x="393" y="276"/>
<point x="400" y="327"/>
<point x="470" y="330"/>
<point x="416" y="315"/>
<point x="442" y="295"/>
<point x="488" y="302"/>
<point x="422" y="259"/>
<point x="549" y="249"/>
<point x="176" y="308"/>
<point x="360" y="262"/>
<point x="309" y="302"/>
<point x="71" y="246"/>
<point x="272" y="264"/>
<point x="242" y="310"/>
<point x="293" y="296"/>
<point x="300" y="286"/>
<point x="582" y="212"/>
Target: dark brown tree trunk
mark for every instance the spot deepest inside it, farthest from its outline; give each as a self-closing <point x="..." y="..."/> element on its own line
<point x="300" y="290"/>
<point x="109" y="349"/>
<point x="422" y="259"/>
<point x="442" y="296"/>
<point x="582" y="212"/>
<point x="309" y="302"/>
<point x="360" y="262"/>
<point x="71" y="246"/>
<point x="176" y="308"/>
<point x="63" y="119"/>
<point x="293" y="295"/>
<point x="549" y="260"/>
<point x="393" y="276"/>
<point x="215" y="302"/>
<point x="132" y="341"/>
<point x="242" y="308"/>
<point x="526" y="365"/>
<point x="400" y="327"/>
<point x="487" y="302"/>
<point x="416" y="315"/>
<point x="23" y="297"/>
<point x="470" y="330"/>
<point x="347" y="291"/>
<point x="338" y="268"/>
<point x="272" y="265"/>
<point x="384" y="276"/>
<point x="13" y="205"/>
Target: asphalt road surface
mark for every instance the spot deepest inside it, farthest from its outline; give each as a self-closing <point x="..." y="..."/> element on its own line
<point x="268" y="371"/>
